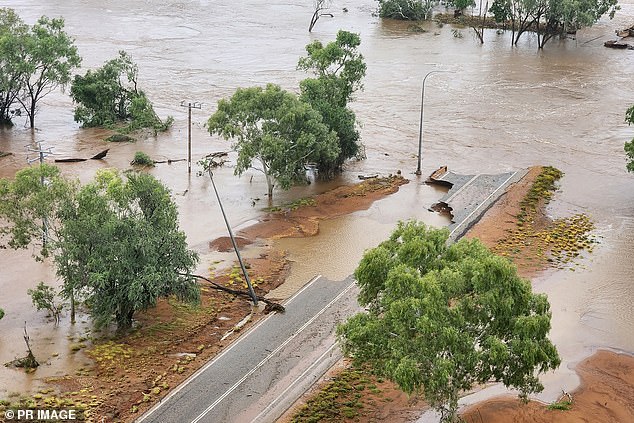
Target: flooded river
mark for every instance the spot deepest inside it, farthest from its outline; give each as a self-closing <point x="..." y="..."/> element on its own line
<point x="499" y="108"/>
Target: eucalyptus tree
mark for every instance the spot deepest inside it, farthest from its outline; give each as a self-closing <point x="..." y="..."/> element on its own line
<point x="273" y="127"/>
<point x="551" y="18"/>
<point x="109" y="96"/>
<point x="115" y="242"/>
<point x="339" y="68"/>
<point x="48" y="59"/>
<point x="13" y="32"/>
<point x="443" y="318"/>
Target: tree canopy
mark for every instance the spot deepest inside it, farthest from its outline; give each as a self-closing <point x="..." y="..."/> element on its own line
<point x="442" y="318"/>
<point x="411" y="10"/>
<point x="629" y="146"/>
<point x="109" y="96"/>
<point x="115" y="241"/>
<point x="34" y="62"/>
<point x="13" y="32"/>
<point x="339" y="69"/>
<point x="273" y="127"/>
<point x="550" y="18"/>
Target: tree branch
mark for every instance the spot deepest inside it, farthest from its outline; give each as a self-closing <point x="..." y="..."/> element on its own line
<point x="270" y="305"/>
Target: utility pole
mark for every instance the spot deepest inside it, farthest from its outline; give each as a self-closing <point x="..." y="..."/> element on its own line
<point x="190" y="105"/>
<point x="233" y="242"/>
<point x="42" y="154"/>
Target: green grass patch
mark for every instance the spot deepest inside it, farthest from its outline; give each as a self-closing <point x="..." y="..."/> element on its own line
<point x="340" y="399"/>
<point x="560" y="405"/>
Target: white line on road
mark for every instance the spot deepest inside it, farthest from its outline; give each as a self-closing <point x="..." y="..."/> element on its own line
<point x="218" y="357"/>
<point x="482" y="203"/>
<point x="268" y="357"/>
<point x="299" y="378"/>
<point x="469" y="182"/>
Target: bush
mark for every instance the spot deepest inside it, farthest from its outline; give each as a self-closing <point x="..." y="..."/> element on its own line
<point x="43" y="297"/>
<point x="142" y="159"/>
<point x="1" y="313"/>
<point x="412" y="10"/>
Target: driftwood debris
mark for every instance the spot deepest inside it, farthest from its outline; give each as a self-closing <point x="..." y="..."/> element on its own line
<point x="270" y="305"/>
<point x="29" y="363"/>
<point x="98" y="156"/>
<point x="627" y="32"/>
<point x="169" y="161"/>
<point x="618" y="44"/>
<point x="364" y="177"/>
<point x="5" y="153"/>
<point x="214" y="160"/>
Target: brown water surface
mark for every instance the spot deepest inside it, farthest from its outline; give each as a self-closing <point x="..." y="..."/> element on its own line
<point x="502" y="108"/>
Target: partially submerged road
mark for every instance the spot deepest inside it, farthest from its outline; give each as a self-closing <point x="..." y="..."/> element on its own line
<point x="259" y="376"/>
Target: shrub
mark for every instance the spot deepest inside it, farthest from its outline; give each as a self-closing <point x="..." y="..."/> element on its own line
<point x="142" y="159"/>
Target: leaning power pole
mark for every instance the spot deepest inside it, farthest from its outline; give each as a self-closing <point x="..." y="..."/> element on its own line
<point x="190" y="105"/>
<point x="42" y="154"/>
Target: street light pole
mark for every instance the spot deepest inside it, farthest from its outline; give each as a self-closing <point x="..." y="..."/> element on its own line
<point x="420" y="130"/>
<point x="233" y="242"/>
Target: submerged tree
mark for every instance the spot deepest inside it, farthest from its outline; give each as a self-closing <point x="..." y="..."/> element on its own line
<point x="441" y="319"/>
<point x="49" y="57"/>
<point x="413" y="10"/>
<point x="629" y="146"/>
<point x="338" y="68"/>
<point x="13" y="32"/>
<point x="273" y="127"/>
<point x="320" y="6"/>
<point x="109" y="96"/>
<point x="551" y="18"/>
<point x="115" y="241"/>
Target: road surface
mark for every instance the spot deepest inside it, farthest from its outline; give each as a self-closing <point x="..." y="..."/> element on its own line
<point x="265" y="370"/>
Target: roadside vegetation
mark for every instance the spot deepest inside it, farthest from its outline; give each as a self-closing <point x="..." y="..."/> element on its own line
<point x="535" y="238"/>
<point x="145" y="257"/>
<point x="347" y="396"/>
<point x="443" y="319"/>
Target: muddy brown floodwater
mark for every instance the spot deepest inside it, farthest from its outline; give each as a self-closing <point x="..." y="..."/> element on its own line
<point x="501" y="108"/>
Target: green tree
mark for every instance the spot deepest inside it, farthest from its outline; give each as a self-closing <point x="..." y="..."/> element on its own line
<point x="145" y="257"/>
<point x="461" y="4"/>
<point x="13" y="32"/>
<point x="31" y="203"/>
<point x="109" y="96"/>
<point x="1" y="313"/>
<point x="411" y="10"/>
<point x="273" y="127"/>
<point x="49" y="57"/>
<point x="339" y="69"/>
<point x="115" y="241"/>
<point x="550" y="18"/>
<point x="44" y="298"/>
<point x="629" y="146"/>
<point x="441" y="319"/>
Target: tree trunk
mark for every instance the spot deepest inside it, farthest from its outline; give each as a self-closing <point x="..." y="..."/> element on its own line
<point x="32" y="116"/>
<point x="124" y="320"/>
<point x="72" y="307"/>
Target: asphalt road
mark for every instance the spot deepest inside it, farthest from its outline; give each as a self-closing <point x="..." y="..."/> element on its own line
<point x="267" y="368"/>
